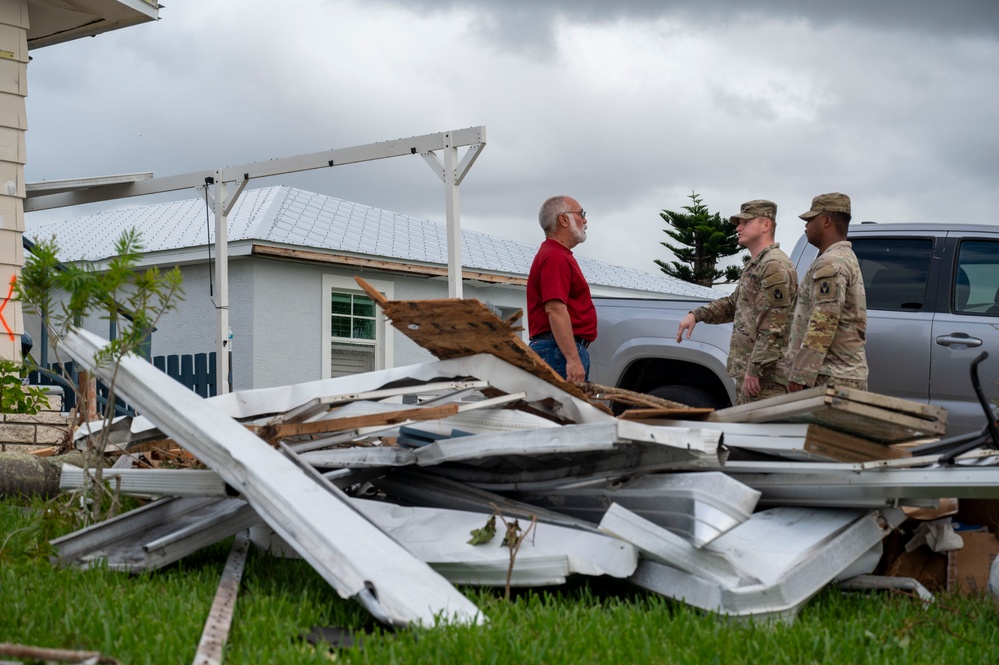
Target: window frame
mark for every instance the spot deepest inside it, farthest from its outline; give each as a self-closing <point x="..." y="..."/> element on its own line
<point x="383" y="341"/>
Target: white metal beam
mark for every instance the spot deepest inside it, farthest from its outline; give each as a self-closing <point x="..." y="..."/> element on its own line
<point x="338" y="157"/>
<point x="91" y="190"/>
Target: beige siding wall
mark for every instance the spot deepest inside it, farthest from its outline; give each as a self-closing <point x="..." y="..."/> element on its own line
<point x="13" y="124"/>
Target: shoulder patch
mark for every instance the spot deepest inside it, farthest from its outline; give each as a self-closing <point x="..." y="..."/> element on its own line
<point x="778" y="295"/>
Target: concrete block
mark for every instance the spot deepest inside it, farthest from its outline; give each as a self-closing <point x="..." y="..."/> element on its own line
<point x="17" y="433"/>
<point x="50" y="434"/>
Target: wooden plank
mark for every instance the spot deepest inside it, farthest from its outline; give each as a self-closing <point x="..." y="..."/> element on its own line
<point x="663" y="412"/>
<point x="455" y="328"/>
<point x="865" y="421"/>
<point x="273" y="433"/>
<point x="765" y="411"/>
<point x="914" y="409"/>
<point x="830" y="407"/>
<point x="846" y="447"/>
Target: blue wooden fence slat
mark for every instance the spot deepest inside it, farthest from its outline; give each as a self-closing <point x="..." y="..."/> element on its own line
<point x="195" y="371"/>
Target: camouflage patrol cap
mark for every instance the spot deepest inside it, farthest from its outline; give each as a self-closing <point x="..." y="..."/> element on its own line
<point x="755" y="208"/>
<point x="834" y="202"/>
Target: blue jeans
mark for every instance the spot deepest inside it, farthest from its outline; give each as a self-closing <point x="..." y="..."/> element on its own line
<point x="551" y="354"/>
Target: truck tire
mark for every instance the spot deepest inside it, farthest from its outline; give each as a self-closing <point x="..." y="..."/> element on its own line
<point x="689" y="395"/>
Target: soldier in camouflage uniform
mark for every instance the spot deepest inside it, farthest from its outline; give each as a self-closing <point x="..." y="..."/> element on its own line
<point x="830" y="321"/>
<point x="760" y="307"/>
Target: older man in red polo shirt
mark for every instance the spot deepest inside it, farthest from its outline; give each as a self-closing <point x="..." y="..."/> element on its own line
<point x="561" y="319"/>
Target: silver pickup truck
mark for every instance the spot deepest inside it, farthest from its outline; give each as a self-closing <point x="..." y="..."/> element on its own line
<point x="932" y="307"/>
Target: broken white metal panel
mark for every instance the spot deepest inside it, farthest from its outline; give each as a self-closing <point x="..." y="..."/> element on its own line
<point x="570" y="439"/>
<point x="516" y="450"/>
<point x="489" y="420"/>
<point x="413" y="487"/>
<point x="883" y="582"/>
<point x="699" y="440"/>
<point x="794" y="552"/>
<point x="155" y="535"/>
<point x="350" y="553"/>
<point x="318" y="405"/>
<point x="370" y="408"/>
<point x="664" y="546"/>
<point x="149" y="482"/>
<point x="249" y="404"/>
<point x="496" y="372"/>
<point x="698" y="506"/>
<point x="508" y="473"/>
<point x="873" y="487"/>
<point x="785" y="440"/>
<point x="360" y="457"/>
<point x="476" y="416"/>
<point x="440" y="538"/>
<point x="565" y="440"/>
<point x="971" y="458"/>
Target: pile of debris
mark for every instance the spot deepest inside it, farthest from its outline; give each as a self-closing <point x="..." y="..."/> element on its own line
<point x="380" y="480"/>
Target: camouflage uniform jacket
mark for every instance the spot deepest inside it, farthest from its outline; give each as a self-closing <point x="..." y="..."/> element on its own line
<point x="760" y="309"/>
<point x="830" y="321"/>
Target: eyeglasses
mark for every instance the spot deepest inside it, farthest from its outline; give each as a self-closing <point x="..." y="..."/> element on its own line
<point x="581" y="213"/>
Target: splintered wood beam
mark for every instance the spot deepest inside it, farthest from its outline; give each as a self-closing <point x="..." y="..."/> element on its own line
<point x="374" y="294"/>
<point x="273" y="433"/>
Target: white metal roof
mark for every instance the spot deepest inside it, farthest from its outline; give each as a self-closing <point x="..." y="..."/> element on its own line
<point x="293" y="217"/>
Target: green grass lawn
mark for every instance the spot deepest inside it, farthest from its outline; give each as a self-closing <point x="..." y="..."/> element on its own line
<point x="158" y="618"/>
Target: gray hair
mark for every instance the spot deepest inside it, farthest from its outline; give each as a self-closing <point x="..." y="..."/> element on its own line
<point x="550" y="210"/>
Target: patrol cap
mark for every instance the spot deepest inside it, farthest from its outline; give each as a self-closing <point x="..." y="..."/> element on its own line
<point x="834" y="202"/>
<point x="755" y="208"/>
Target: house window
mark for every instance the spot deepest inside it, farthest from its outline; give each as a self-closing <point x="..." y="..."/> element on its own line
<point x="353" y="334"/>
<point x="352" y="316"/>
<point x="356" y="336"/>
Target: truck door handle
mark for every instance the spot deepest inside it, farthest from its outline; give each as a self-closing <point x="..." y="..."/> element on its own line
<point x="962" y="339"/>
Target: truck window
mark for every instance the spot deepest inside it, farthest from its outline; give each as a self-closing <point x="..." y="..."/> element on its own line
<point x="895" y="271"/>
<point x="976" y="280"/>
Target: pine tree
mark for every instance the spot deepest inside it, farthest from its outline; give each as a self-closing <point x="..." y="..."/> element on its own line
<point x="704" y="238"/>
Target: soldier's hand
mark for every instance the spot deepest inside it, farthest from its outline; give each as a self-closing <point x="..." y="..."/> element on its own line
<point x="794" y="387"/>
<point x="751" y="385"/>
<point x="687" y="324"/>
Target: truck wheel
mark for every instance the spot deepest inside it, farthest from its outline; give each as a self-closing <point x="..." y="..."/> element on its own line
<point x="689" y="395"/>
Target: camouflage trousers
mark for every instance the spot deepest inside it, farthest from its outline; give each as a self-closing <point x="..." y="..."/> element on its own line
<point x="840" y="382"/>
<point x="768" y="388"/>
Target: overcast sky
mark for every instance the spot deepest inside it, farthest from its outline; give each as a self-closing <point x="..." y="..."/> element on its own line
<point x="627" y="105"/>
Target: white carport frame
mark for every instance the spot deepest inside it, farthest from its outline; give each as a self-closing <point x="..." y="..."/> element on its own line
<point x="451" y="171"/>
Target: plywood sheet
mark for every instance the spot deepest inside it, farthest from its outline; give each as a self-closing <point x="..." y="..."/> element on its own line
<point x="847" y="447"/>
<point x="861" y="413"/>
<point x="454" y="328"/>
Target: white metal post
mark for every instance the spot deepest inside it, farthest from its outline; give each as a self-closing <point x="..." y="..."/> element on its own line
<point x="452" y="210"/>
<point x="222" y="280"/>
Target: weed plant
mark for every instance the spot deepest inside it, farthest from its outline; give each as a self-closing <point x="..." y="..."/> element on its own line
<point x="158" y="618"/>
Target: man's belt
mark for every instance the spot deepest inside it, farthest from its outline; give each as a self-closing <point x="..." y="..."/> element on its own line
<point x="548" y="335"/>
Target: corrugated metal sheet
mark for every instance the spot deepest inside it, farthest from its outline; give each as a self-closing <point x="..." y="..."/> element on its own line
<point x="288" y="216"/>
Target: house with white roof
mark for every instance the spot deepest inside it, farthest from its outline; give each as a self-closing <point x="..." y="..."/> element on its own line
<point x="295" y="311"/>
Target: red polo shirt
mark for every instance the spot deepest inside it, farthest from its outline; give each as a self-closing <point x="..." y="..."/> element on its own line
<point x="555" y="275"/>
